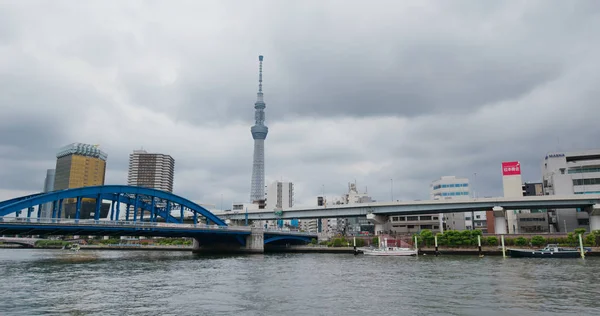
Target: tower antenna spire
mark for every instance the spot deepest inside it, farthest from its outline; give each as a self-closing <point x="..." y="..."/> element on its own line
<point x="260" y="60"/>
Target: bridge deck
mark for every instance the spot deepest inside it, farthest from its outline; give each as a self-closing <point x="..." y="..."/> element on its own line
<point x="420" y="207"/>
<point x="35" y="226"/>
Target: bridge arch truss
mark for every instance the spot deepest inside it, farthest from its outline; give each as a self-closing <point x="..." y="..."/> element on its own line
<point x="138" y="201"/>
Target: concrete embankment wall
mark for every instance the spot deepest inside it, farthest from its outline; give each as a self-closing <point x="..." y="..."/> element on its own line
<point x="487" y="251"/>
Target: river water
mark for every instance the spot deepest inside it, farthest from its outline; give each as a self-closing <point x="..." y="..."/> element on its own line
<point x="57" y="282"/>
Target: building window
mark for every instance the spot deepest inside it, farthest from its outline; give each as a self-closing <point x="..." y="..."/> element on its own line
<point x="435" y="218"/>
<point x="401" y="219"/>
<point x="425" y="218"/>
<point x="592" y="181"/>
<point x="468" y="218"/>
<point x="583" y="221"/>
<point x="412" y="218"/>
<point x="583" y="170"/>
<point x="477" y="216"/>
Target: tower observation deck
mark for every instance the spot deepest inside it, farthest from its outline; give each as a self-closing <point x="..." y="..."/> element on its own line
<point x="259" y="134"/>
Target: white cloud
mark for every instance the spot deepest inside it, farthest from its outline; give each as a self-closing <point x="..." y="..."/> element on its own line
<point x="410" y="92"/>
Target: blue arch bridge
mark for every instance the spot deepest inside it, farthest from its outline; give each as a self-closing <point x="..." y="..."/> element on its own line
<point x="148" y="212"/>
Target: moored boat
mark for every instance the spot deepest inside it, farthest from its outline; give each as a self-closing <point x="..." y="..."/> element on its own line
<point x="550" y="251"/>
<point x="384" y="250"/>
<point x="390" y="251"/>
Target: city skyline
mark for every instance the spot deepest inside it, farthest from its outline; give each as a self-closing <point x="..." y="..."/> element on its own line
<point x="410" y="106"/>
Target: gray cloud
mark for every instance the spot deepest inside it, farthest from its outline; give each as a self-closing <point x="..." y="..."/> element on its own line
<point x="408" y="92"/>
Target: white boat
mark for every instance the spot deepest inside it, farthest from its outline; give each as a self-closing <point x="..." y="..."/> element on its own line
<point x="73" y="247"/>
<point x="390" y="251"/>
<point x="384" y="250"/>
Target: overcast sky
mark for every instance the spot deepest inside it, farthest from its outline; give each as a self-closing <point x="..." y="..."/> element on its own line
<point x="400" y="90"/>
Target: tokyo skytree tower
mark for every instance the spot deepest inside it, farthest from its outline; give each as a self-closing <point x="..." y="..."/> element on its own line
<point x="259" y="133"/>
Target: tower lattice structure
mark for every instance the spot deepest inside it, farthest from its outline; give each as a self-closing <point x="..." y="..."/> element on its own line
<point x="259" y="134"/>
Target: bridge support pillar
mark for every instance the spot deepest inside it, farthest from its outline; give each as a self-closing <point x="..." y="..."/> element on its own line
<point x="499" y="220"/>
<point x="253" y="243"/>
<point x="594" y="212"/>
<point x="256" y="241"/>
<point x="380" y="222"/>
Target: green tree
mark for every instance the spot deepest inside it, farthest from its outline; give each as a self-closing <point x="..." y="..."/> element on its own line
<point x="313" y="241"/>
<point x="467" y="239"/>
<point x="338" y="242"/>
<point x="360" y="242"/>
<point x="521" y="241"/>
<point x="375" y="241"/>
<point x="442" y="240"/>
<point x="427" y="237"/>
<point x="492" y="241"/>
<point x="571" y="239"/>
<point x="538" y="241"/>
<point x="579" y="231"/>
<point x="590" y="240"/>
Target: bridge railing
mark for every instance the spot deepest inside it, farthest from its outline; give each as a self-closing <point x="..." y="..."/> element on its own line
<point x="287" y="230"/>
<point x="88" y="222"/>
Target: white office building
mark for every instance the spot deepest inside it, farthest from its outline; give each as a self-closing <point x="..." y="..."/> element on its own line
<point x="566" y="173"/>
<point x="280" y="196"/>
<point x="452" y="188"/>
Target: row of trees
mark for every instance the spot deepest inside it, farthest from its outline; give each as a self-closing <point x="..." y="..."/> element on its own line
<point x="339" y="242"/>
<point x="468" y="238"/>
<point x="159" y="241"/>
<point x="51" y="243"/>
<point x="116" y="241"/>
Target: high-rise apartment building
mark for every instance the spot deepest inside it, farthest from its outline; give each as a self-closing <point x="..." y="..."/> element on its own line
<point x="80" y="165"/>
<point x="151" y="170"/>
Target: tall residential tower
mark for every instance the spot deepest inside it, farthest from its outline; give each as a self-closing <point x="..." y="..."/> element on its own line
<point x="259" y="133"/>
<point x="151" y="170"/>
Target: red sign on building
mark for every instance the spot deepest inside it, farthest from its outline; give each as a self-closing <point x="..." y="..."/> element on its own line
<point x="511" y="168"/>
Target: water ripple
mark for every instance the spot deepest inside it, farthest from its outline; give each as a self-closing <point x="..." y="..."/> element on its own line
<point x="54" y="282"/>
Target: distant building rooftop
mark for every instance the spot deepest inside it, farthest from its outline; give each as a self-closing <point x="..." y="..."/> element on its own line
<point x="83" y="150"/>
